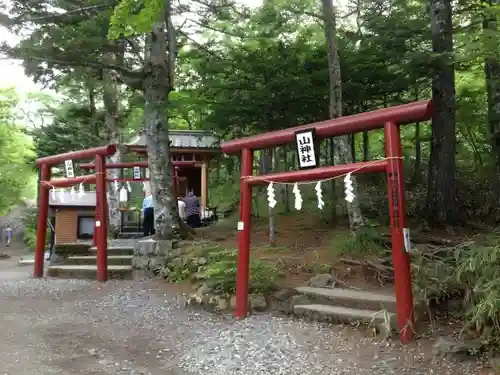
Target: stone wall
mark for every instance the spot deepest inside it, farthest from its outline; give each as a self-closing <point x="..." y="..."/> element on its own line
<point x="150" y="256"/>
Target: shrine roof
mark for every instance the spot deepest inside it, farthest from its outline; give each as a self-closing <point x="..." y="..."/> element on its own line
<point x="183" y="139"/>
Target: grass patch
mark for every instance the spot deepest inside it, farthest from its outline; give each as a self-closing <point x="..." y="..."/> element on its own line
<point x="365" y="242"/>
<point x="322" y="268"/>
<point x="216" y="266"/>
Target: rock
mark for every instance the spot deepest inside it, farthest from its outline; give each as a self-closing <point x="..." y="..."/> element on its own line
<point x="151" y="256"/>
<point x="284" y="294"/>
<point x="232" y="303"/>
<point x="93" y="352"/>
<point x="4" y="256"/>
<point x="446" y="345"/>
<point x="145" y="247"/>
<point x="321" y="281"/>
<point x="202" y="261"/>
<point x="194" y="300"/>
<point x="257" y="302"/>
<point x="198" y="276"/>
<point x="223" y="304"/>
<point x="299" y="299"/>
<point x="203" y="289"/>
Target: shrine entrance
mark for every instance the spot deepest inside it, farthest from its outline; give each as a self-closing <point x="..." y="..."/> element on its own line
<point x="47" y="184"/>
<point x="305" y="138"/>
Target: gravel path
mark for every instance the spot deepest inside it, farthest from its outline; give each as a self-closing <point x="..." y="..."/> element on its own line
<point x="141" y="327"/>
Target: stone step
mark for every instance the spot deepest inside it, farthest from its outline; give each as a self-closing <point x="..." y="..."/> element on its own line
<point x="130" y="228"/>
<point x="88" y="272"/>
<point x="355" y="299"/>
<point x="338" y="314"/>
<point x="115" y="250"/>
<point x="113" y="260"/>
<point x="127" y="235"/>
<point x="68" y="249"/>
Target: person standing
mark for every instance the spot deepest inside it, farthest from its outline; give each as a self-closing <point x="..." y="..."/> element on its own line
<point x="9" y="235"/>
<point x="193" y="210"/>
<point x="148" y="214"/>
<point x="182" y="209"/>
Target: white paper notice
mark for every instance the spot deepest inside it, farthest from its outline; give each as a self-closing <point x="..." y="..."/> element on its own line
<point x="406" y="237"/>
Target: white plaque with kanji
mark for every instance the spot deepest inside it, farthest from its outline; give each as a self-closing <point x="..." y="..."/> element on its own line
<point x="137" y="173"/>
<point x="70" y="172"/>
<point x="306" y="149"/>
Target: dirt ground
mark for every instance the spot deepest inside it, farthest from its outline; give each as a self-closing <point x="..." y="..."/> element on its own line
<point x="306" y="244"/>
<point x="73" y="327"/>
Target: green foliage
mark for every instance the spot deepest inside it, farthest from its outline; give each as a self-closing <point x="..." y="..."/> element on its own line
<point x="433" y="277"/>
<point x="15" y="151"/>
<point x="253" y="71"/>
<point x="469" y="272"/>
<point x="365" y="242"/>
<point x="133" y="17"/>
<point x="29" y="220"/>
<point x="220" y="273"/>
<point x="477" y="272"/>
<point x="217" y="267"/>
<point x="72" y="128"/>
<point x="224" y="196"/>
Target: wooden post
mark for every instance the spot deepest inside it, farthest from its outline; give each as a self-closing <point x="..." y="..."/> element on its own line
<point x="204" y="185"/>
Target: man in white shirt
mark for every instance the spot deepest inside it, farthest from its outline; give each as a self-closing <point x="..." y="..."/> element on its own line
<point x="148" y="215"/>
<point x="182" y="209"/>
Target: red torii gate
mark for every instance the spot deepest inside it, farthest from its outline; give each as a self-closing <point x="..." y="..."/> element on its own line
<point x="142" y="164"/>
<point x="46" y="183"/>
<point x="387" y="118"/>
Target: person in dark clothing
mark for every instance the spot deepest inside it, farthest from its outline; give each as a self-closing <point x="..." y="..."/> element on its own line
<point x="192" y="210"/>
<point x="148" y="213"/>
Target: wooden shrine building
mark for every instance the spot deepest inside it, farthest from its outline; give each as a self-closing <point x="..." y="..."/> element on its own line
<point x="196" y="146"/>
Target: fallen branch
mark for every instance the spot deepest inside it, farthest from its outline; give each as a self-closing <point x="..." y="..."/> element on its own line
<point x="422" y="239"/>
<point x="351" y="262"/>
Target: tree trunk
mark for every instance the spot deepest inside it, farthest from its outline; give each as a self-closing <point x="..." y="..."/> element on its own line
<point x="157" y="86"/>
<point x="352" y="139"/>
<point x="418" y="154"/>
<point x="366" y="146"/>
<point x="441" y="193"/>
<point x="342" y="144"/>
<point x="492" y="75"/>
<point x="286" y="196"/>
<point x="418" y="146"/>
<point x="111" y="93"/>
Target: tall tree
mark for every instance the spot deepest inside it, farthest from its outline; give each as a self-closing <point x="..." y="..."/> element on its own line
<point x="492" y="76"/>
<point x="342" y="144"/>
<point x="156" y="83"/>
<point x="111" y="99"/>
<point x="441" y="190"/>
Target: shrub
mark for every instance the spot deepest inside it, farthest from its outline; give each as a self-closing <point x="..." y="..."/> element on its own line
<point x="477" y="270"/>
<point x="218" y="267"/>
<point x="366" y="241"/>
<point x="30" y="226"/>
